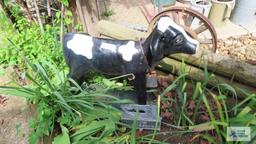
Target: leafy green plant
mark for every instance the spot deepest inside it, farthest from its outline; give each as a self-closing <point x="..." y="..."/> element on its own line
<point x="98" y="128"/>
<point x="222" y="113"/>
<point x="5" y="29"/>
<point x="30" y="45"/>
<point x="62" y="138"/>
<point x="107" y="13"/>
<point x="223" y="118"/>
<point x="57" y="101"/>
<point x="180" y="100"/>
<point x="27" y="43"/>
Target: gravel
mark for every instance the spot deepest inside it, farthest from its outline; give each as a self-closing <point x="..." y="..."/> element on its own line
<point x="239" y="47"/>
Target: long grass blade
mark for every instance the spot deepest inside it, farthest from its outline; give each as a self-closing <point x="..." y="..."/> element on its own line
<point x="244" y="101"/>
<point x="213" y="119"/>
<point x="173" y="85"/>
<point x="134" y="128"/>
<point x="43" y="74"/>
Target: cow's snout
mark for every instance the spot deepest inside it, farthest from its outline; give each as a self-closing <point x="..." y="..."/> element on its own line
<point x="194" y="48"/>
<point x="191" y="47"/>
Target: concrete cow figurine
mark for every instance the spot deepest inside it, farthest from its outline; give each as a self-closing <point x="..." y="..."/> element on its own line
<point x="84" y="53"/>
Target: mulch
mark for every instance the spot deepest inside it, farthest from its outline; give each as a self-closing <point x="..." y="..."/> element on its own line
<point x="3" y="100"/>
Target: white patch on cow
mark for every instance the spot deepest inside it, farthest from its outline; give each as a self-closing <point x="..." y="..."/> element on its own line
<point x="108" y="46"/>
<point x="165" y="22"/>
<point x="128" y="50"/>
<point x="81" y="45"/>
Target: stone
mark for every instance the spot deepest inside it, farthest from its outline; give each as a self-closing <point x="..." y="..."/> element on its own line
<point x="235" y="42"/>
<point x="242" y="50"/>
<point x="151" y="81"/>
<point x="147" y="116"/>
<point x="225" y="52"/>
<point x="228" y="43"/>
<point x="253" y="34"/>
<point x="239" y="44"/>
<point x="239" y="47"/>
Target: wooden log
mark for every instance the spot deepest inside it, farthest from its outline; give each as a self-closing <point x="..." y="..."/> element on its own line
<point x="173" y="66"/>
<point x="89" y="11"/>
<point x="222" y="65"/>
<point x="118" y="31"/>
<point x="48" y="5"/>
<point x="81" y="15"/>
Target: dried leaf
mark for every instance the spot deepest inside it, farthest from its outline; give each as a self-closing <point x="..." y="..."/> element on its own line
<point x="191" y="105"/>
<point x="165" y="84"/>
<point x="167" y="114"/>
<point x="204" y="117"/>
<point x="139" y="133"/>
<point x="190" y="113"/>
<point x="165" y="105"/>
<point x="169" y="94"/>
<point x="3" y="100"/>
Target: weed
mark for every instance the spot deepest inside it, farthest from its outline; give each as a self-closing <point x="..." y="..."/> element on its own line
<point x="57" y="101"/>
<point x="107" y="13"/>
<point x="28" y="44"/>
<point x="221" y="113"/>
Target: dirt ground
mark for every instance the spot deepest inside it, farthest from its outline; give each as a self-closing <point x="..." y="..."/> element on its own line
<point x="14" y="116"/>
<point x="14" y="121"/>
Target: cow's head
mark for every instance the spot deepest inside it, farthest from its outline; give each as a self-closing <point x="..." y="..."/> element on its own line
<point x="169" y="38"/>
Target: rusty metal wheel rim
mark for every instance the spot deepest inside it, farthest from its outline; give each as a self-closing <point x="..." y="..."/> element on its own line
<point x="193" y="33"/>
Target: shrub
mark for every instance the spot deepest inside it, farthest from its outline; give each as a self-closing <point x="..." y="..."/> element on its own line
<point x="67" y="106"/>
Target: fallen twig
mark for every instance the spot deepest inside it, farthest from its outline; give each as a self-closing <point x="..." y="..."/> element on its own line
<point x="61" y="22"/>
<point x="3" y="100"/>
<point x="48" y="7"/>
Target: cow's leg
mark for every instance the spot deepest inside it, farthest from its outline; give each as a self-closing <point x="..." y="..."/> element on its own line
<point x="78" y="74"/>
<point x="140" y="87"/>
<point x="78" y="80"/>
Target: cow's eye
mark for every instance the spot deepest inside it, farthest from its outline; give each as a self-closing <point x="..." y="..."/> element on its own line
<point x="179" y="39"/>
<point x="163" y="38"/>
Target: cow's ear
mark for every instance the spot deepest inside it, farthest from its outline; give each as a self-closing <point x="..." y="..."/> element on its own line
<point x="156" y="50"/>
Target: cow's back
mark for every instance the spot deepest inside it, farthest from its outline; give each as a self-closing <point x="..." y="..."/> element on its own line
<point x="107" y="56"/>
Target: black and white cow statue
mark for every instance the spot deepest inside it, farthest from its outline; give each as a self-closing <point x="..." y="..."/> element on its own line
<point x="84" y="53"/>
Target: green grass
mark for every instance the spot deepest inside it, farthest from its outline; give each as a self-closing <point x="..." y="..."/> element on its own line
<point x="107" y="13"/>
<point x="84" y="110"/>
<point x="5" y="29"/>
<point x="223" y="115"/>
